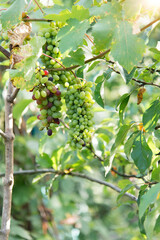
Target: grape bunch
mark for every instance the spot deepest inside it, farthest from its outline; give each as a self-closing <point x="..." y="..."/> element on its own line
<point x="79" y="103"/>
<point x="48" y="99"/>
<point x="51" y="48"/>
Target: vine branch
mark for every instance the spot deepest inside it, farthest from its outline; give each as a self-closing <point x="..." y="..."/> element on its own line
<point x="73" y="174"/>
<point x="87" y="61"/>
<point x="149" y="24"/>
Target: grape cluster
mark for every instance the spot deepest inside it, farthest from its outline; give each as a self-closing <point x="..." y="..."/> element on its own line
<point x="48" y="99"/>
<point x="4" y="40"/>
<point x="79" y="104"/>
<point x="51" y="48"/>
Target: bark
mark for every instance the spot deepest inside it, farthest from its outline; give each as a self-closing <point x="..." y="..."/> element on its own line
<point x="8" y="179"/>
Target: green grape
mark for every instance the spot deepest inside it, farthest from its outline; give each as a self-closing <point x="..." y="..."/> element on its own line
<point x="79" y="104"/>
<point x="48" y="99"/>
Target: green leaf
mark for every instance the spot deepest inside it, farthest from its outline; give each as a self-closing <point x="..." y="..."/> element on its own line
<point x="76" y="58"/>
<point x="125" y="75"/>
<point x="124" y="190"/>
<point x="71" y="36"/>
<point x="129" y="143"/>
<point x="151" y="116"/>
<point x="148" y="198"/>
<point x="132" y="8"/>
<point x="121" y="135"/>
<point x="156" y="174"/>
<point x="78" y="12"/>
<point x="157" y="225"/>
<point x="149" y="223"/>
<point x="97" y="94"/>
<point x="92" y="66"/>
<point x="103" y="32"/>
<point x="127" y="49"/>
<point x="19" y="108"/>
<point x="123" y="105"/>
<point x="44" y="160"/>
<point x="141" y="153"/>
<point x="13" y="14"/>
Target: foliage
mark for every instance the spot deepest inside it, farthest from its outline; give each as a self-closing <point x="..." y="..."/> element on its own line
<point x="124" y="146"/>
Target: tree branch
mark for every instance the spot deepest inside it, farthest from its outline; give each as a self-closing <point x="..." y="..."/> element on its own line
<point x="13" y="96"/>
<point x="87" y="61"/>
<point x="5" y="52"/>
<point x="149" y="24"/>
<point x="36" y="20"/>
<point x="39" y="7"/>
<point x="3" y="134"/>
<point x="73" y="174"/>
<point x="8" y="179"/>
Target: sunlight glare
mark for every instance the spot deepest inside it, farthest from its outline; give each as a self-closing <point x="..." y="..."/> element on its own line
<point x="153" y="3"/>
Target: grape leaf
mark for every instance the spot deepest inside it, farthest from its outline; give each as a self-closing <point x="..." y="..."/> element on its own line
<point x="24" y="76"/>
<point x="131" y="8"/>
<point x="103" y="32"/>
<point x="148" y="198"/>
<point x="141" y="153"/>
<point x="75" y="58"/>
<point x="13" y="14"/>
<point x="78" y="12"/>
<point x="151" y="116"/>
<point x="127" y="48"/>
<point x="71" y="36"/>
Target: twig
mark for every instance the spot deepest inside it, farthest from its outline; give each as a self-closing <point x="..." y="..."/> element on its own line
<point x="13" y="96"/>
<point x="136" y="80"/>
<point x="29" y="5"/>
<point x="126" y="175"/>
<point x="5" y="52"/>
<point x="150" y="24"/>
<point x="87" y="61"/>
<point x="74" y="174"/>
<point x="39" y="7"/>
<point x="36" y="20"/>
<point x="65" y="125"/>
<point x="89" y="38"/>
<point x="64" y="68"/>
<point x="9" y="163"/>
<point x="3" y="134"/>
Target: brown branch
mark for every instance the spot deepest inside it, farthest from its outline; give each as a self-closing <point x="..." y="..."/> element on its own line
<point x="87" y="61"/>
<point x="3" y="134"/>
<point x="5" y="52"/>
<point x="73" y="174"/>
<point x="39" y="7"/>
<point x="36" y="20"/>
<point x="136" y="80"/>
<point x="149" y="24"/>
<point x="8" y="179"/>
<point x="14" y="95"/>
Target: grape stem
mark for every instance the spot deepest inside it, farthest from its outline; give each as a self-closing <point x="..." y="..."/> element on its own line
<point x="87" y="61"/>
<point x="39" y="7"/>
<point x="63" y="67"/>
